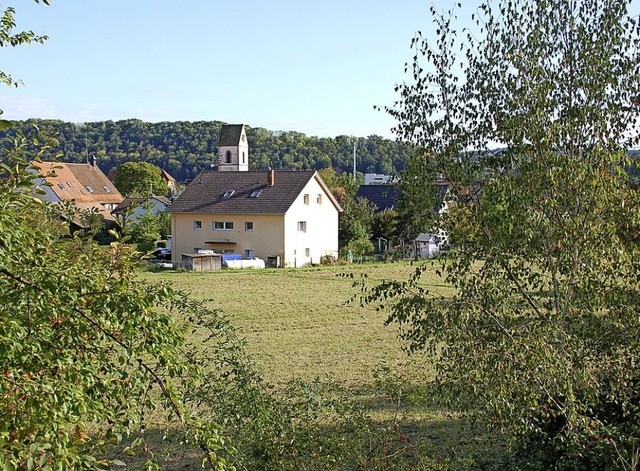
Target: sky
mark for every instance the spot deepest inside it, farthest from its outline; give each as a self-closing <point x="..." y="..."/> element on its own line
<point x="316" y="67"/>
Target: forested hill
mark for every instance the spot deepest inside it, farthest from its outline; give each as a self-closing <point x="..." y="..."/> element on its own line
<point x="184" y="148"/>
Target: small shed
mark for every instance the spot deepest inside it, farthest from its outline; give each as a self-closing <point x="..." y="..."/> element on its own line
<point x="201" y="261"/>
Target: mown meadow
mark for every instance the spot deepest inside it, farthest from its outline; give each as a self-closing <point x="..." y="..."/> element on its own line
<point x="303" y="323"/>
<point x="308" y="323"/>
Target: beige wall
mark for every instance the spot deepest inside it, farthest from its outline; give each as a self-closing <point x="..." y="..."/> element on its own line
<point x="272" y="235"/>
<point x="266" y="238"/>
<point x="321" y="235"/>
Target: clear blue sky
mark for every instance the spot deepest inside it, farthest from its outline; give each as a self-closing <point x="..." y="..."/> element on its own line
<point x="316" y="67"/>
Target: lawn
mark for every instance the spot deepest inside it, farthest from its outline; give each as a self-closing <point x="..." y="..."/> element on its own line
<point x="299" y="323"/>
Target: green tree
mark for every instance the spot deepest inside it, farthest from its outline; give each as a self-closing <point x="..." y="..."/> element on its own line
<point x="8" y="37"/>
<point x="140" y="179"/>
<point x="149" y="227"/>
<point x="83" y="341"/>
<point x="541" y="337"/>
<point x="359" y="244"/>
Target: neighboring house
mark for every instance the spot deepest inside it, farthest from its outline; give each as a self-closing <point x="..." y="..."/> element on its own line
<point x="382" y="196"/>
<point x="287" y="218"/>
<point x="83" y="184"/>
<point x="377" y="179"/>
<point x="171" y="182"/>
<point x="385" y="197"/>
<point x="131" y="209"/>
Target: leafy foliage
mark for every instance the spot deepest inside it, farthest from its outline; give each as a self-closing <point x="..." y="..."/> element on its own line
<point x="12" y="39"/>
<point x="90" y="353"/>
<point x="542" y="336"/>
<point x="140" y="179"/>
<point x="185" y="148"/>
<point x="149" y="227"/>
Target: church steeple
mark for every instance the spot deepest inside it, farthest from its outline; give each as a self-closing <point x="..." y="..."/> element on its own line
<point x="233" y="149"/>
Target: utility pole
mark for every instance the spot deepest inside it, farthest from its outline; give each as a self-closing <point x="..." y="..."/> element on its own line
<point x="355" y="142"/>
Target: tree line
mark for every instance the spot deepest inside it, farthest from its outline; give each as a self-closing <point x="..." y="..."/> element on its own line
<point x="185" y="148"/>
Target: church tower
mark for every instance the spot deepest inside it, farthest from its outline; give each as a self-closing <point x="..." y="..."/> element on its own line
<point x="233" y="149"/>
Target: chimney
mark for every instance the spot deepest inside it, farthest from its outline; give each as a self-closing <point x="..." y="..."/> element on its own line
<point x="271" y="178"/>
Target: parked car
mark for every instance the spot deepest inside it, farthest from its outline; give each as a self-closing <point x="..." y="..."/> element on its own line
<point x="162" y="254"/>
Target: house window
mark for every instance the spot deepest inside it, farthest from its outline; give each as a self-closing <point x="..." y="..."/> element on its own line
<point x="302" y="226"/>
<point x="228" y="156"/>
<point x="319" y="199"/>
<point x="255" y="194"/>
<point x="222" y="225"/>
<point x="228" y="194"/>
<point x="306" y="199"/>
<point x="307" y="252"/>
<point x="248" y="253"/>
<point x="62" y="187"/>
<point x="248" y="226"/>
<point x="243" y="157"/>
<point x="89" y="188"/>
<point x="106" y="188"/>
<point x="197" y="225"/>
<point x="70" y="185"/>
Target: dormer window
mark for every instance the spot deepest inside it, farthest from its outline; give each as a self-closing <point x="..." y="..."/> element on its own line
<point x="62" y="187"/>
<point x="89" y="188"/>
<point x="228" y="194"/>
<point x="106" y="188"/>
<point x="255" y="194"/>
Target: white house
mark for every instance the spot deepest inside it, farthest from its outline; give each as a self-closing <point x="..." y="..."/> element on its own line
<point x="132" y="209"/>
<point x="287" y="218"/>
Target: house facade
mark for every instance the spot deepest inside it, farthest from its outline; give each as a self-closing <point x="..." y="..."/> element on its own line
<point x="130" y="210"/>
<point x="287" y="218"/>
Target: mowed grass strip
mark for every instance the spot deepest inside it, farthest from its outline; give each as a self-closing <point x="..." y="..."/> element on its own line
<point x="298" y="323"/>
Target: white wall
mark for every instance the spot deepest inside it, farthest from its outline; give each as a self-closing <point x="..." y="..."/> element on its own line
<point x="321" y="236"/>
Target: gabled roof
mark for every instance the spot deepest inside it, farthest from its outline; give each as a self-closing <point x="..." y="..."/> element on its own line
<point x="206" y="193"/>
<point x="387" y="197"/>
<point x="383" y="197"/>
<point x="167" y="176"/>
<point x="128" y="202"/>
<point x="83" y="183"/>
<point x="230" y="134"/>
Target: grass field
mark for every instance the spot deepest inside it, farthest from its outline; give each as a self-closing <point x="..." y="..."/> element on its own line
<point x="298" y="323"/>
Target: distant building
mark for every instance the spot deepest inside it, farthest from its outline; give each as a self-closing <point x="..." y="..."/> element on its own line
<point x="376" y="179"/>
<point x="130" y="210"/>
<point x="383" y="197"/>
<point x="287" y="218"/>
<point x="84" y="184"/>
<point x="233" y="149"/>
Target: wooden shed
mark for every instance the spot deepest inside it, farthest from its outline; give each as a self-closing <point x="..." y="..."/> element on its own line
<point x="201" y="261"/>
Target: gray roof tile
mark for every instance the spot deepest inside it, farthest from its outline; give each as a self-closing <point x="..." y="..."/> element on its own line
<point x="230" y="134"/>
